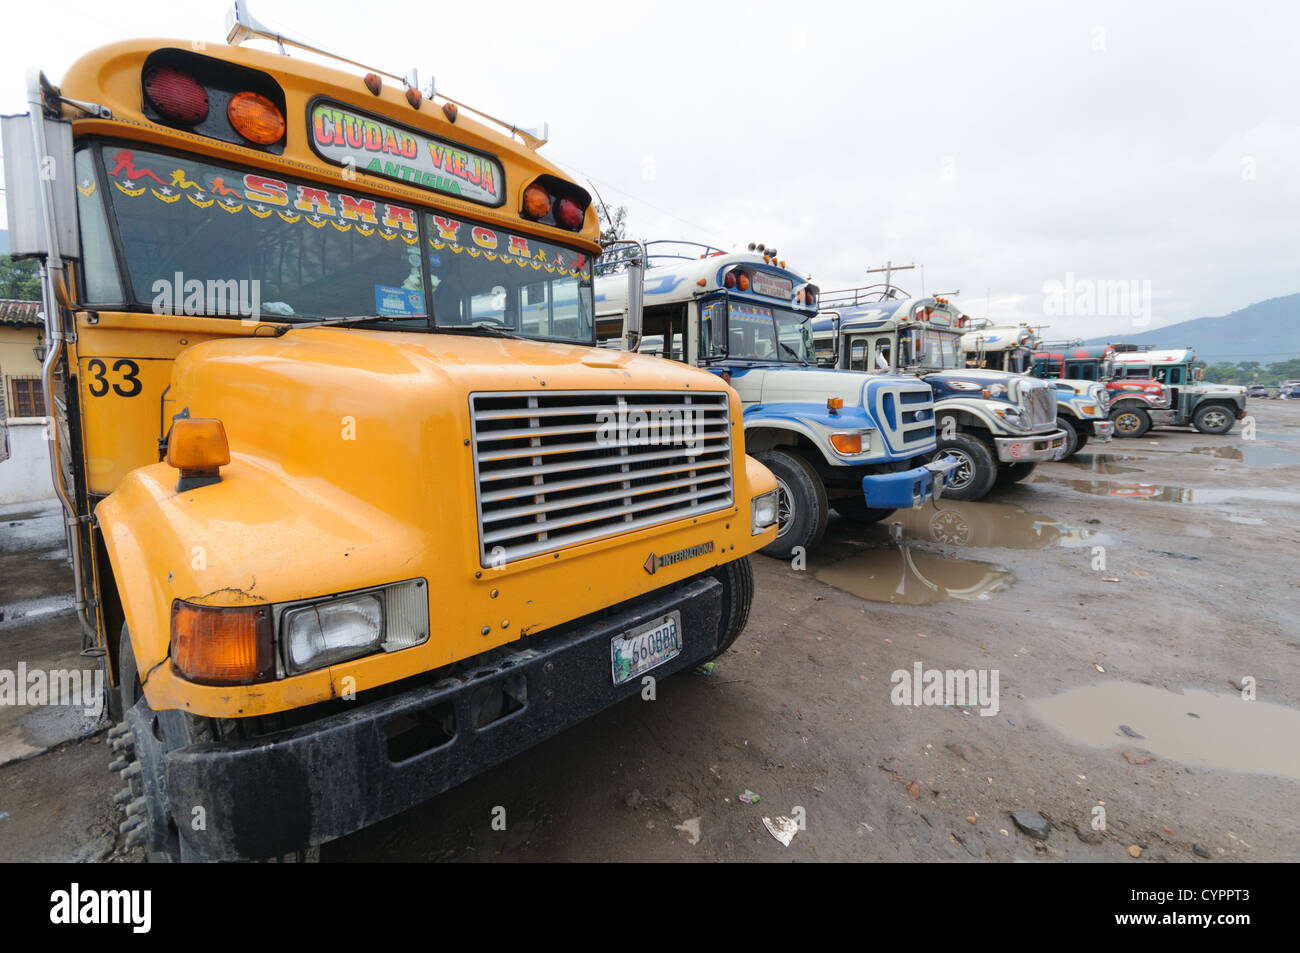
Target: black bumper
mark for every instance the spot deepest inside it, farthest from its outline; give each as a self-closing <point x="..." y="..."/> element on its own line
<point x="308" y="785"/>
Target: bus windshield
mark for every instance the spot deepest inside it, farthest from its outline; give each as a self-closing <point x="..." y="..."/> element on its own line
<point x="765" y="333"/>
<point x="486" y="276"/>
<point x="931" y="348"/>
<point x="205" y="239"/>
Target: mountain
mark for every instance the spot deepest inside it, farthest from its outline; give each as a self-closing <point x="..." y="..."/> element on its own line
<point x="1267" y="331"/>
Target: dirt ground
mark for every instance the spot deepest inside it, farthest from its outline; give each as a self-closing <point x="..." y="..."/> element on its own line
<point x="1125" y="600"/>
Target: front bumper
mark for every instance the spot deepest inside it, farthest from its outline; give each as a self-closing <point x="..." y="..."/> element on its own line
<point x="1103" y="430"/>
<point x="1035" y="448"/>
<point x="896" y="491"/>
<point x="307" y="785"/>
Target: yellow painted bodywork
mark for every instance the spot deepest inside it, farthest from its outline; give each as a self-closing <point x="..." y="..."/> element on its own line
<point x="350" y="465"/>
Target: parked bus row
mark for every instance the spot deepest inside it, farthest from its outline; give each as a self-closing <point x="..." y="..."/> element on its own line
<point x="358" y="508"/>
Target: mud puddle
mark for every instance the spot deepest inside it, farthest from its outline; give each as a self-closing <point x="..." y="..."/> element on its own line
<point x="1196" y="727"/>
<point x="1163" y="493"/>
<point x="905" y="575"/>
<point x="1105" y="463"/>
<point x="1004" y="525"/>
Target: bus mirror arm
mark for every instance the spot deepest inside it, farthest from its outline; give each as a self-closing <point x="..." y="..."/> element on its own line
<point x="635" y="303"/>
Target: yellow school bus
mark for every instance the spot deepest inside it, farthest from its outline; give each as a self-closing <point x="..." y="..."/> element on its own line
<point x="358" y="508"/>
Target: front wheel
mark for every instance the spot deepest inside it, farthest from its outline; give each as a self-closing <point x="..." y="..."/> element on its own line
<point x="973" y="476"/>
<point x="1214" y="419"/>
<point x="737" y="578"/>
<point x="1010" y="473"/>
<point x="855" y="510"/>
<point x="1071" y="442"/>
<point x="1130" y="421"/>
<point x="801" y="507"/>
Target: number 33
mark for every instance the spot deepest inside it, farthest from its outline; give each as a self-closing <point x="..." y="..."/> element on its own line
<point x="128" y="386"/>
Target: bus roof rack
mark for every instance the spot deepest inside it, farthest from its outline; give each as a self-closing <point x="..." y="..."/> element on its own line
<point x="1130" y="348"/>
<point x="867" y="294"/>
<point x="241" y="25"/>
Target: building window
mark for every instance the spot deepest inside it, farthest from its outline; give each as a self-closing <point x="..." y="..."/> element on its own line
<point x="26" y="398"/>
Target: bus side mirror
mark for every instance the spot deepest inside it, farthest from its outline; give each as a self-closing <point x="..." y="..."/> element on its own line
<point x="37" y="185"/>
<point x="635" y="303"/>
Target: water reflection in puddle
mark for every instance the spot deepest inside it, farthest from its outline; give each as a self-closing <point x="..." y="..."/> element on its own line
<point x="905" y="575"/>
<point x="1103" y="462"/>
<point x="1171" y="494"/>
<point x="961" y="523"/>
<point x="1244" y="451"/>
<point x="1197" y="727"/>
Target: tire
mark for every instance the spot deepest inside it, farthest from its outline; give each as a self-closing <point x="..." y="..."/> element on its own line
<point x="140" y="744"/>
<point x="737" y="578"/>
<point x="1071" y="444"/>
<point x="803" y="499"/>
<point x="976" y="468"/>
<point x="1010" y="473"/>
<point x="1213" y="418"/>
<point x="1083" y="439"/>
<point x="855" y="510"/>
<point x="1130" y="421"/>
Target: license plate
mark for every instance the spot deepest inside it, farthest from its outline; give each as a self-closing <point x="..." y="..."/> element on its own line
<point x="640" y="650"/>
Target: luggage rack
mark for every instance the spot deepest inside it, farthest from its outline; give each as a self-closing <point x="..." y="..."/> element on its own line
<point x="868" y="294"/>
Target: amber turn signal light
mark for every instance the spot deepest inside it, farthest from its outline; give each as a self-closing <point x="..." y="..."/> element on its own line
<point x="847" y="443"/>
<point x="834" y="403"/>
<point x="198" y="443"/>
<point x="215" y="645"/>
<point x="255" y="118"/>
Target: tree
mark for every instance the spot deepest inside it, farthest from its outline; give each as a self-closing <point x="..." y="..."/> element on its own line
<point x="613" y="226"/>
<point x="20" y="279"/>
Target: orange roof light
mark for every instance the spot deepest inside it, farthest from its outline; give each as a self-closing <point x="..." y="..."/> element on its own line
<point x="742" y="281"/>
<point x="537" y="201"/>
<point x="256" y="118"/>
<point x="217" y="645"/>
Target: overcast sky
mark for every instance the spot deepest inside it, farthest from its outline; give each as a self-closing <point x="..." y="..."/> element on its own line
<point x="1003" y="146"/>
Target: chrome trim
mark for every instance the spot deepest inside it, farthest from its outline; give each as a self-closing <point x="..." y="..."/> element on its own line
<point x="547" y="474"/>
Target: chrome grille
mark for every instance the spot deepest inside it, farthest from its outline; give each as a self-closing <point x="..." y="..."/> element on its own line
<point x="905" y="414"/>
<point x="557" y="469"/>
<point x="1039" y="400"/>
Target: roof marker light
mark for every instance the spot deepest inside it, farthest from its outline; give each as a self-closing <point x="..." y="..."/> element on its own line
<point x="450" y="111"/>
<point x="176" y="95"/>
<point x="256" y="118"/>
<point x="373" y="83"/>
<point x="568" y="214"/>
<point x="537" y="201"/>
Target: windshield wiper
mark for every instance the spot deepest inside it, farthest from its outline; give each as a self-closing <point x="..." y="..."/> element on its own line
<point x="793" y="353"/>
<point x="351" y="319"/>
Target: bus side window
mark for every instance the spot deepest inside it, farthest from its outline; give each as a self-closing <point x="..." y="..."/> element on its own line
<point x="858" y="355"/>
<point x="1175" y="375"/>
<point x="882" y="351"/>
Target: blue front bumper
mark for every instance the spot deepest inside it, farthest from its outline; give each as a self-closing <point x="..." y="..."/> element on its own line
<point x="895" y="491"/>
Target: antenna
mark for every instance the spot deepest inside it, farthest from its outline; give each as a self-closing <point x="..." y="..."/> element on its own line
<point x="241" y="25"/>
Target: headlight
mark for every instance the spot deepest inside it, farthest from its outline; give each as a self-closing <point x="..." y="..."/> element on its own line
<point x="850" y="443"/>
<point x="330" y="632"/>
<point x="1013" y="416"/>
<point x="762" y="512"/>
<point x="320" y="633"/>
